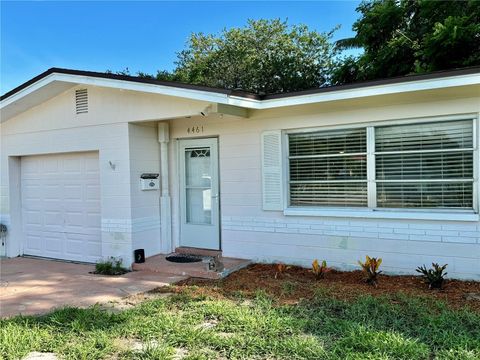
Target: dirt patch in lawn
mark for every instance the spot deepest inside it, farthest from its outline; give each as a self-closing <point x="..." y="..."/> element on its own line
<point x="297" y="283"/>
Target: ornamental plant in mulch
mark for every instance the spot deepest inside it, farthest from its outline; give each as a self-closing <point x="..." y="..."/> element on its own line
<point x="342" y="285"/>
<point x="110" y="266"/>
<point x="435" y="276"/>
<point x="319" y="270"/>
<point x="370" y="268"/>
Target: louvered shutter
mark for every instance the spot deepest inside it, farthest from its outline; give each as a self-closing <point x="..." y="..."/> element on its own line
<point x="272" y="170"/>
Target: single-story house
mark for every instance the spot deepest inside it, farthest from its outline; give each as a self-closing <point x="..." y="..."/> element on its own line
<point x="96" y="165"/>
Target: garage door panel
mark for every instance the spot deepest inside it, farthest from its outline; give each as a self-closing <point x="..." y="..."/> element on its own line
<point x="53" y="221"/>
<point x="91" y="166"/>
<point x="73" y="192"/>
<point x="51" y="166"/>
<point x="74" y="166"/>
<point x="33" y="217"/>
<point x="51" y="191"/>
<point x="30" y="168"/>
<point x="61" y="206"/>
<point x="92" y="192"/>
<point x="75" y="219"/>
<point x="54" y="243"/>
<point x="34" y="242"/>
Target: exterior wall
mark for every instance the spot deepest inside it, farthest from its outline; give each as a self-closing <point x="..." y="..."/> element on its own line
<point x="129" y="216"/>
<point x="268" y="236"/>
<point x="121" y="126"/>
<point x="144" y="158"/>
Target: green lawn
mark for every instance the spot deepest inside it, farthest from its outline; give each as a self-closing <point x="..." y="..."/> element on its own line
<point x="194" y="326"/>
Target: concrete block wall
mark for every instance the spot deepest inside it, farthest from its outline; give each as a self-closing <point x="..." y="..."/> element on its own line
<point x="130" y="217"/>
<point x="268" y="236"/>
<point x="402" y="244"/>
<point x="144" y="158"/>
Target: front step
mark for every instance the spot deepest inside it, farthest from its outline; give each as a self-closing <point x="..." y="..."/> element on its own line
<point x="197" y="251"/>
<point x="158" y="263"/>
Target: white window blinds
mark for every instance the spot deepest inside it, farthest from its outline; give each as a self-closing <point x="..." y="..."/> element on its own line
<point x="328" y="168"/>
<point x="425" y="165"/>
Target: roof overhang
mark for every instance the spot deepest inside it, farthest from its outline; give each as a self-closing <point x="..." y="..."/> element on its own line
<point x="56" y="81"/>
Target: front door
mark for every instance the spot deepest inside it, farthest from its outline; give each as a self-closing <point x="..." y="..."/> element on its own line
<point x="199" y="194"/>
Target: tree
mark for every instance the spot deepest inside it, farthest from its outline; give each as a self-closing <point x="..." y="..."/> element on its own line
<point x="411" y="36"/>
<point x="265" y="57"/>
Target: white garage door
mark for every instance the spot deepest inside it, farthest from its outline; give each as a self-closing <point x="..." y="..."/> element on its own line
<point x="61" y="206"/>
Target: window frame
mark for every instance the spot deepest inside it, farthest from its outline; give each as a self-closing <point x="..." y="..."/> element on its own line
<point x="371" y="210"/>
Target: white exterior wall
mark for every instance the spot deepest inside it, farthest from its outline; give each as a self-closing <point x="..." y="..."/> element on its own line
<point x="269" y="236"/>
<point x="129" y="216"/>
<point x="121" y="126"/>
<point x="144" y="158"/>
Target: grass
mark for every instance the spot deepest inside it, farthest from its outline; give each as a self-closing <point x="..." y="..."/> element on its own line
<point x="110" y="266"/>
<point x="192" y="325"/>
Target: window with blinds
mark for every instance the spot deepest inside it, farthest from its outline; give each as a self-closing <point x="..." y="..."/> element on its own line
<point x="427" y="165"/>
<point x="328" y="168"/>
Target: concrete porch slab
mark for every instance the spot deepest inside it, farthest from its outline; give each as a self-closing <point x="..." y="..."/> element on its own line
<point x="158" y="263"/>
<point x="33" y="286"/>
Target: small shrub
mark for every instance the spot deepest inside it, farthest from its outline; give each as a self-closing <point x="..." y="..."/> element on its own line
<point x="280" y="269"/>
<point x="111" y="266"/>
<point x="319" y="270"/>
<point x="434" y="277"/>
<point x="370" y="268"/>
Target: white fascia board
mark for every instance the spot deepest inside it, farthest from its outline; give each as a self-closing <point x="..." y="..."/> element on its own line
<point x="118" y="84"/>
<point x="29" y="89"/>
<point x="148" y="88"/>
<point x="207" y="96"/>
<point x="387" y="89"/>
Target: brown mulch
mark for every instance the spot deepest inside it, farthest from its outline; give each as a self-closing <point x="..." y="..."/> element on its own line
<point x="297" y="283"/>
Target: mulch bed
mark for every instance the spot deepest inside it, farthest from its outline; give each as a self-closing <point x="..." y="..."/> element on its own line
<point x="297" y="283"/>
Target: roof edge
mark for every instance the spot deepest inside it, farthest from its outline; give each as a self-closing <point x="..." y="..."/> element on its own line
<point x="245" y="94"/>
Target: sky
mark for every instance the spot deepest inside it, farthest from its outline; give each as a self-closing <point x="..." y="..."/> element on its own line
<point x="143" y="36"/>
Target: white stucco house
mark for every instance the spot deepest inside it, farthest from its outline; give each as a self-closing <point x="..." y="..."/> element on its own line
<point x="387" y="168"/>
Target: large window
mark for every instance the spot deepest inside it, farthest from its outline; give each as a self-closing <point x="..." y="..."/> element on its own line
<point x="328" y="168"/>
<point x="428" y="165"/>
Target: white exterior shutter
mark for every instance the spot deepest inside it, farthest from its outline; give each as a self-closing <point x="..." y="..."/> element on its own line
<point x="272" y="170"/>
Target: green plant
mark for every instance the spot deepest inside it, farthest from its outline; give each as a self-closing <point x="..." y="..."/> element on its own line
<point x="434" y="277"/>
<point x="319" y="270"/>
<point x="370" y="268"/>
<point x="280" y="269"/>
<point x="111" y="266"/>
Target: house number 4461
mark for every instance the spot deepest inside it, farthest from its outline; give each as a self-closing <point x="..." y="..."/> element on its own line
<point x="195" y="130"/>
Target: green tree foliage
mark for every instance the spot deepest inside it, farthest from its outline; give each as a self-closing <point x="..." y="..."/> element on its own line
<point x="265" y="57"/>
<point x="401" y="37"/>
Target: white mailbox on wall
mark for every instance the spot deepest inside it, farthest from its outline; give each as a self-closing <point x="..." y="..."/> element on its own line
<point x="149" y="181"/>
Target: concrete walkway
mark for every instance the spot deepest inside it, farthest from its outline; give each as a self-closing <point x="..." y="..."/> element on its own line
<point x="33" y="286"/>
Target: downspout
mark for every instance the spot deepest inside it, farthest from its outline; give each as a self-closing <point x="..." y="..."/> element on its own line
<point x="165" y="202"/>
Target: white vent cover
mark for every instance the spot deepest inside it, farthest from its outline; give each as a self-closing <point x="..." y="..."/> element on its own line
<point x="272" y="170"/>
<point x="81" y="101"/>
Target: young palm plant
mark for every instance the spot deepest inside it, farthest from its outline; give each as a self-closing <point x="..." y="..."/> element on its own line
<point x="435" y="276"/>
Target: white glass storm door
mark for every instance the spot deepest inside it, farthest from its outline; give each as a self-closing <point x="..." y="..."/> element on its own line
<point x="199" y="197"/>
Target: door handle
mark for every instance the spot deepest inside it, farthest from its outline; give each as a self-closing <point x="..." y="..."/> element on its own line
<point x="215" y="196"/>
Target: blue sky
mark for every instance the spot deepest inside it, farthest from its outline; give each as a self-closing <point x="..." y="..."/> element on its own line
<point x="143" y="36"/>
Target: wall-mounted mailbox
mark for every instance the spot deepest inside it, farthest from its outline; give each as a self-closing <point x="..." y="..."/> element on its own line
<point x="149" y="181"/>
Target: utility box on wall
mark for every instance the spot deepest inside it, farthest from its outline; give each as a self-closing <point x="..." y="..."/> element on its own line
<point x="149" y="181"/>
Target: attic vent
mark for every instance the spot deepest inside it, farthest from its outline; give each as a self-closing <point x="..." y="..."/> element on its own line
<point x="81" y="101"/>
